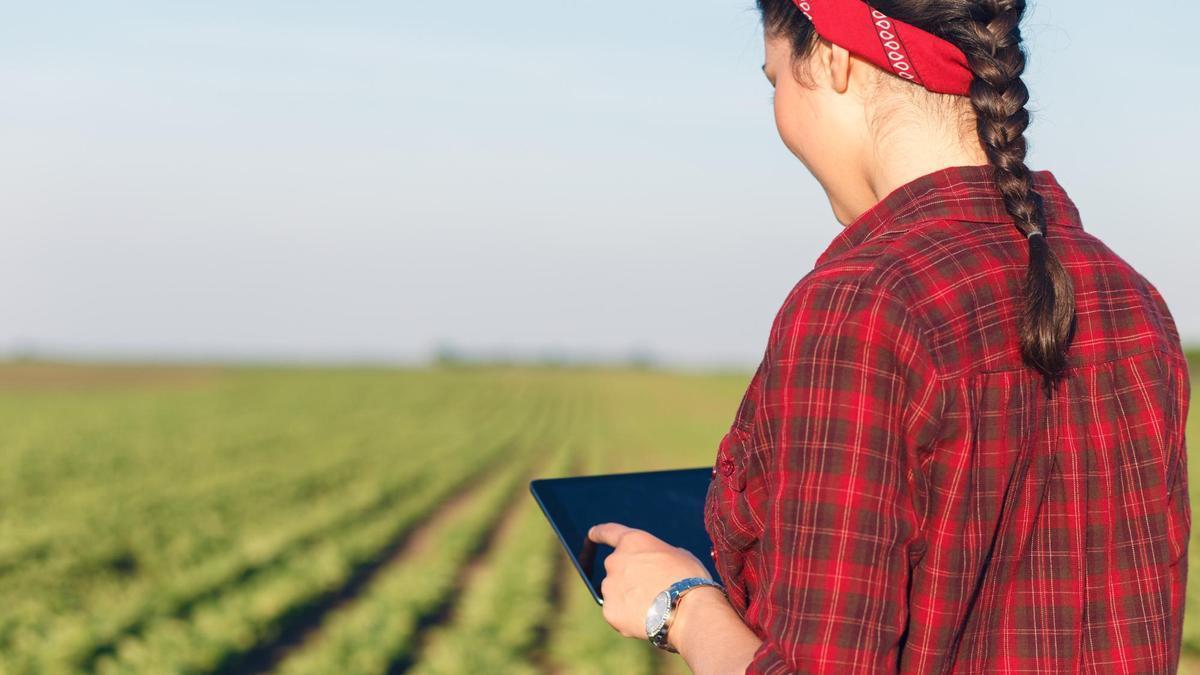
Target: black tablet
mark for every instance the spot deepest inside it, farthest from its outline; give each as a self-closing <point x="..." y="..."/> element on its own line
<point x="667" y="504"/>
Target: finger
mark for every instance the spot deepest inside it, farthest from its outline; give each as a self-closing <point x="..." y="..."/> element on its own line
<point x="608" y="533"/>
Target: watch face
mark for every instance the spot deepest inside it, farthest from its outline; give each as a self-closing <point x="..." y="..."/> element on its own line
<point x="656" y="616"/>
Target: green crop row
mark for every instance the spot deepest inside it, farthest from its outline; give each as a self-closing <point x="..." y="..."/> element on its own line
<point x="204" y="528"/>
<point x="230" y="463"/>
<point x="380" y="628"/>
<point x="219" y="634"/>
<point x="582" y="642"/>
<point x="72" y="636"/>
<point x="380" y="632"/>
<point x="47" y="638"/>
<point x="505" y="611"/>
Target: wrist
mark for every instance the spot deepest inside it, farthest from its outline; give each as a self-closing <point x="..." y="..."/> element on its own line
<point x="688" y="617"/>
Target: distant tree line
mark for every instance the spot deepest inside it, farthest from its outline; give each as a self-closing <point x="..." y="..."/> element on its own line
<point x="449" y="355"/>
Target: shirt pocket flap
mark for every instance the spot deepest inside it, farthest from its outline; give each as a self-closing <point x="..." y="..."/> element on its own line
<point x="736" y="496"/>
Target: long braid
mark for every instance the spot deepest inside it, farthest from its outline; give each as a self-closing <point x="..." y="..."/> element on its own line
<point x="998" y="96"/>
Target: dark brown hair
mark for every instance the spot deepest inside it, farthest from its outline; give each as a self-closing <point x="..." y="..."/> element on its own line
<point x="988" y="32"/>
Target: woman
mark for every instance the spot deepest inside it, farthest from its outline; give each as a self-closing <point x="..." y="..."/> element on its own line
<point x="963" y="450"/>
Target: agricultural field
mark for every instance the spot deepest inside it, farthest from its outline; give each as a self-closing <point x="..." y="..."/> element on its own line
<point x="321" y="520"/>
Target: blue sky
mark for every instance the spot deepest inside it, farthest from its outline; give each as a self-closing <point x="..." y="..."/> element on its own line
<point x="369" y="179"/>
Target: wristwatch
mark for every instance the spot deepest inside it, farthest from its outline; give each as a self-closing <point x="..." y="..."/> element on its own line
<point x="661" y="614"/>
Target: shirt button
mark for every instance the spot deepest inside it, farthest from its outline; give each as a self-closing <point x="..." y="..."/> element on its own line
<point x="726" y="466"/>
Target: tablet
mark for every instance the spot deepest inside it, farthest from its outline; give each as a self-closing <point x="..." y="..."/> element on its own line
<point x="667" y="504"/>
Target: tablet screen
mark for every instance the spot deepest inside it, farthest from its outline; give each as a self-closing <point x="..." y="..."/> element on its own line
<point x="667" y="504"/>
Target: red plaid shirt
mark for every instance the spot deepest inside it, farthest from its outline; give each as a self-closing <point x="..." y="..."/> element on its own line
<point x="897" y="494"/>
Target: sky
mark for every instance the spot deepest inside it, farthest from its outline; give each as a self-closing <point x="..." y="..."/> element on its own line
<point x="368" y="180"/>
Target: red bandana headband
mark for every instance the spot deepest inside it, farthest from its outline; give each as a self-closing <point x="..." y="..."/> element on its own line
<point x="899" y="48"/>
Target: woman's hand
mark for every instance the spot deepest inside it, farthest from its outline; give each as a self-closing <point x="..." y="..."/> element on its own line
<point x="707" y="632"/>
<point x="640" y="567"/>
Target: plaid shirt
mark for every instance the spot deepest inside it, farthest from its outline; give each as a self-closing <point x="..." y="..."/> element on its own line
<point x="896" y="493"/>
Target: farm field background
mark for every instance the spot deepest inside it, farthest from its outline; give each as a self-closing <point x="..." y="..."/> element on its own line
<point x="327" y="520"/>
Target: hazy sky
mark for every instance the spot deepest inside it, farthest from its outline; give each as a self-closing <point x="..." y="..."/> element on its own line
<point x="347" y="179"/>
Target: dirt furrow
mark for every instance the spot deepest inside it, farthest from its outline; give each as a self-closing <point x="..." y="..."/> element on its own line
<point x="444" y="614"/>
<point x="304" y="623"/>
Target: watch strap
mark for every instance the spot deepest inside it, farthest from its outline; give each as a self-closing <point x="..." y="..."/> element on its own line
<point x="675" y="592"/>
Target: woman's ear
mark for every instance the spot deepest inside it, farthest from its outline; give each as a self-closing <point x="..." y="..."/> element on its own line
<point x="839" y="68"/>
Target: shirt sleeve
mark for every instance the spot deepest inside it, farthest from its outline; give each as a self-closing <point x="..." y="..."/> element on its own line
<point x="848" y="388"/>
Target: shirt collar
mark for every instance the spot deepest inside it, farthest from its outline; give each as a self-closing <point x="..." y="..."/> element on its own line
<point x="962" y="193"/>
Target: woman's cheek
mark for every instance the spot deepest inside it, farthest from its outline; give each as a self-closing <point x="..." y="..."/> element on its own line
<point x="784" y="124"/>
<point x="792" y="119"/>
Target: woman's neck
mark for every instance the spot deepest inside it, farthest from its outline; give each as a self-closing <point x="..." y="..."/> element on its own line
<point x="914" y="162"/>
<point x="905" y="154"/>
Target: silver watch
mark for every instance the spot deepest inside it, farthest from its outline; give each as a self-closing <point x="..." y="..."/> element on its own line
<point x="661" y="614"/>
